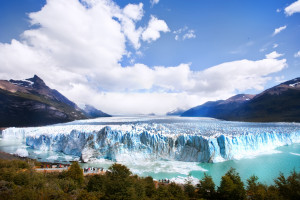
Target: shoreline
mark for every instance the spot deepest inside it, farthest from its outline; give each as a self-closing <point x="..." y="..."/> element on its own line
<point x="8" y="156"/>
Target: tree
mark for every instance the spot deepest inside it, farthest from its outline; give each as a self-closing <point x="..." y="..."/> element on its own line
<point x="118" y="171"/>
<point x="189" y="190"/>
<point x="256" y="190"/>
<point x="162" y="193"/>
<point x="97" y="183"/>
<point x="119" y="185"/>
<point x="206" y="187"/>
<point x="231" y="187"/>
<point x="273" y="193"/>
<point x="84" y="195"/>
<point x="175" y="191"/>
<point x="75" y="172"/>
<point x="149" y="186"/>
<point x="288" y="188"/>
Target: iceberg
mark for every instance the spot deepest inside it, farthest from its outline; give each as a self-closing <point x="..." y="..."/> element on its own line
<point x="190" y="140"/>
<point x="22" y="153"/>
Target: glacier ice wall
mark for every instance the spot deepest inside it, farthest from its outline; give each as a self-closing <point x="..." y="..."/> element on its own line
<point x="152" y="141"/>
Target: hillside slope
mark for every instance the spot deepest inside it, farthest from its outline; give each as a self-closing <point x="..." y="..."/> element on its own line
<point x="31" y="102"/>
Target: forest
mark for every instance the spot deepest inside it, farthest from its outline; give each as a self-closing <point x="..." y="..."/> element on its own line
<point x="19" y="180"/>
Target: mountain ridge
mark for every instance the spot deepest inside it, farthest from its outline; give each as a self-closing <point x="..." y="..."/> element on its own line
<point x="31" y="102"/>
<point x="280" y="103"/>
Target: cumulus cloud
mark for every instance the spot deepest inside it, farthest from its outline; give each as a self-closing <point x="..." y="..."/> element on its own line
<point x="79" y="52"/>
<point x="273" y="55"/>
<point x="178" y="86"/>
<point x="293" y="8"/>
<point x="278" y="30"/>
<point x="154" y="28"/>
<point x="153" y="2"/>
<point x="239" y="75"/>
<point x="133" y="11"/>
<point x="131" y="14"/>
<point x="297" y="54"/>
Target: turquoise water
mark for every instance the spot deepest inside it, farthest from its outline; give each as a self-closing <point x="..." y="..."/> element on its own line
<point x="266" y="167"/>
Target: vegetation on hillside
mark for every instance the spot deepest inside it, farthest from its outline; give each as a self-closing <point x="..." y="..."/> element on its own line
<point x="19" y="180"/>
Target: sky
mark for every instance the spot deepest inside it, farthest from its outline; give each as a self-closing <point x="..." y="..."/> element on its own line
<point x="151" y="56"/>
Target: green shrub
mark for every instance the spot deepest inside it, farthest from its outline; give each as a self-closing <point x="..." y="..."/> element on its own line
<point x="21" y="178"/>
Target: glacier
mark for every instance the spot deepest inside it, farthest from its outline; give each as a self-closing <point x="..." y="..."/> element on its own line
<point x="158" y="138"/>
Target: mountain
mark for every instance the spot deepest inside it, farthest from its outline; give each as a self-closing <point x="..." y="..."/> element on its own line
<point x="279" y="103"/>
<point x="92" y="112"/>
<point x="218" y="109"/>
<point x="176" y="112"/>
<point x="31" y="102"/>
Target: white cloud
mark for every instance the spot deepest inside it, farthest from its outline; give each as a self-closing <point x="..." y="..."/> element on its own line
<point x="273" y="55"/>
<point x="130" y="31"/>
<point x="128" y="17"/>
<point x="278" y="30"/>
<point x="153" y="2"/>
<point x="293" y="8"/>
<point x="78" y="53"/>
<point x="278" y="10"/>
<point x="180" y="30"/>
<point x="139" y="53"/>
<point x="279" y="79"/>
<point x="134" y="11"/>
<point x="184" y="33"/>
<point x="297" y="54"/>
<point x="275" y="46"/>
<point x="189" y="35"/>
<point x="240" y="75"/>
<point x="154" y="28"/>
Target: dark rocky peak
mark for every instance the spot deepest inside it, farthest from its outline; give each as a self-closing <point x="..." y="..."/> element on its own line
<point x="34" y="83"/>
<point x="38" y="83"/>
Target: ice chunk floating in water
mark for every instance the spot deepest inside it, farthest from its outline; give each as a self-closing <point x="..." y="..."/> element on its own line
<point x="22" y="152"/>
<point x="168" y="138"/>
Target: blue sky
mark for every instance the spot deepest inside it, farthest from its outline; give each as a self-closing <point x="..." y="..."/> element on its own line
<point x="193" y="51"/>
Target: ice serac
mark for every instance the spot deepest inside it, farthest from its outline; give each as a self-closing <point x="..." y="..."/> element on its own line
<point x="151" y="141"/>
